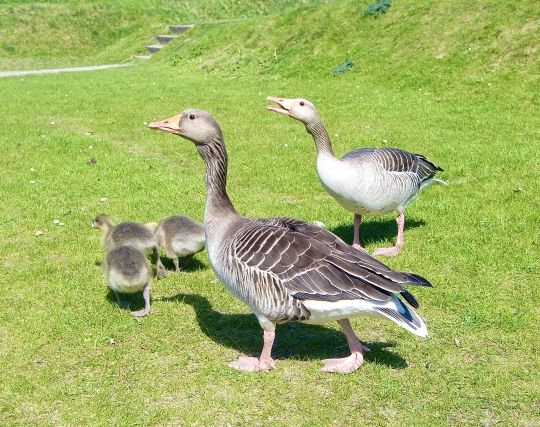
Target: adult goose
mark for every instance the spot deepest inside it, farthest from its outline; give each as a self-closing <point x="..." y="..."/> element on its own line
<point x="286" y="269"/>
<point x="366" y="181"/>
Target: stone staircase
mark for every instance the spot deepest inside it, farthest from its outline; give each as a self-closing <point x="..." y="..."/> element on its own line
<point x="162" y="39"/>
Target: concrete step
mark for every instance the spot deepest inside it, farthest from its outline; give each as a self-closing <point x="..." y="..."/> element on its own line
<point x="165" y="38"/>
<point x="179" y="28"/>
<point x="154" y="48"/>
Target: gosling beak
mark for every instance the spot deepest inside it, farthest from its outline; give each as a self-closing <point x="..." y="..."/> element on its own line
<point x="171" y="125"/>
<point x="284" y="105"/>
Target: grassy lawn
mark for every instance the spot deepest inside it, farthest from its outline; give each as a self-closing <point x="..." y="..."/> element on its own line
<point x="69" y="356"/>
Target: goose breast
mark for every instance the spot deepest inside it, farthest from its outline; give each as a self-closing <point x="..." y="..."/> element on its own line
<point x="362" y="185"/>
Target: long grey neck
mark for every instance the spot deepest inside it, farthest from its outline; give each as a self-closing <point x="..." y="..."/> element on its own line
<point x="218" y="205"/>
<point x="320" y="136"/>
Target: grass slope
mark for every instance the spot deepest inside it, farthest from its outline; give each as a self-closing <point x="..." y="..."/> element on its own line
<point x="477" y="240"/>
<point x="45" y="34"/>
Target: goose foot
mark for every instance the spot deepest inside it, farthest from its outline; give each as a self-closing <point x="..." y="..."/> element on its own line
<point x="392" y="251"/>
<point x="162" y="273"/>
<point x="141" y="313"/>
<point x="345" y="365"/>
<point x="252" y="364"/>
<point x="146" y="296"/>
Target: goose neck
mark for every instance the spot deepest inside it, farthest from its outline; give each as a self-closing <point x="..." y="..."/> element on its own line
<point x="218" y="205"/>
<point x="321" y="138"/>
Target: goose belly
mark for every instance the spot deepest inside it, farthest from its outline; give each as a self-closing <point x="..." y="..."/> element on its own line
<point x="184" y="248"/>
<point x="367" y="191"/>
<point x="119" y="283"/>
<point x="326" y="311"/>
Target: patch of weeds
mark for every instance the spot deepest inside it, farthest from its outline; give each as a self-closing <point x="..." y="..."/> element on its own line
<point x="378" y="8"/>
<point x="343" y="67"/>
<point x="8" y="47"/>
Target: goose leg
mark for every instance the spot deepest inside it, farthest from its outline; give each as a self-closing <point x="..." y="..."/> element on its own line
<point x="176" y="264"/>
<point x="356" y="237"/>
<point x="394" y="250"/>
<point x="351" y="363"/>
<point x="146" y="295"/>
<point x="262" y="363"/>
<point x="161" y="270"/>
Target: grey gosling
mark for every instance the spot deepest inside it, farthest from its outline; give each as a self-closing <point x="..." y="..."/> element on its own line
<point x="128" y="271"/>
<point x="141" y="237"/>
<point x="285" y="269"/>
<point x="180" y="236"/>
<point x="366" y="181"/>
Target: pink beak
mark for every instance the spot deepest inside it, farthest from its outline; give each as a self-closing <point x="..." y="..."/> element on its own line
<point x="284" y="105"/>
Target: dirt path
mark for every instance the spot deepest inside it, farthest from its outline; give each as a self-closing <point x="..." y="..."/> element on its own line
<point x="60" y="70"/>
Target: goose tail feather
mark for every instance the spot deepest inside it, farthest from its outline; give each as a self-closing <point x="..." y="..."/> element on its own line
<point x="404" y="316"/>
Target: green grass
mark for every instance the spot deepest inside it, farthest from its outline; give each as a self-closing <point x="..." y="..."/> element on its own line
<point x="477" y="240"/>
<point x="51" y="33"/>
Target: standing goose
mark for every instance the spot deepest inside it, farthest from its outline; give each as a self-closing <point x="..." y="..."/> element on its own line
<point x="180" y="236"/>
<point x="141" y="237"/>
<point x="128" y="272"/>
<point x="366" y="181"/>
<point x="289" y="270"/>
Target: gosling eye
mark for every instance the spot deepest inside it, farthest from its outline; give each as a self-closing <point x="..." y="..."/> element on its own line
<point x="302" y="103"/>
<point x="192" y="117"/>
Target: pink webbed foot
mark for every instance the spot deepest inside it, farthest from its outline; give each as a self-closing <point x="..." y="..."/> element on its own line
<point x="391" y="251"/>
<point x="252" y="364"/>
<point x="344" y="366"/>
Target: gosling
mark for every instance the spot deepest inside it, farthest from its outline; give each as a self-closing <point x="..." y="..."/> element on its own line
<point x="128" y="271"/>
<point x="139" y="236"/>
<point x="180" y="236"/>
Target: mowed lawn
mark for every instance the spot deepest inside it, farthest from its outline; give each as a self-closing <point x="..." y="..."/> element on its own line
<point x="70" y="356"/>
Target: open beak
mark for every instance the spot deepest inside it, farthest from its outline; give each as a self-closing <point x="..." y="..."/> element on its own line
<point x="284" y="105"/>
<point x="171" y="125"/>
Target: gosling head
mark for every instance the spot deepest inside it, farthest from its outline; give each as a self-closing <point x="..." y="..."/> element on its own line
<point x="299" y="109"/>
<point x="195" y="125"/>
<point x="103" y="222"/>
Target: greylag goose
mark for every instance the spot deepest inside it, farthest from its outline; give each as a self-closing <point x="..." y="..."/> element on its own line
<point x="141" y="237"/>
<point x="128" y="271"/>
<point x="180" y="236"/>
<point x="285" y="269"/>
<point x="366" y="181"/>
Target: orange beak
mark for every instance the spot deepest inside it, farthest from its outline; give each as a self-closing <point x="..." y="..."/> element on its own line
<point x="171" y="125"/>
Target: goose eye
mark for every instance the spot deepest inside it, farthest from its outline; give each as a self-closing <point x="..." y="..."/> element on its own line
<point x="192" y="117"/>
<point x="302" y="103"/>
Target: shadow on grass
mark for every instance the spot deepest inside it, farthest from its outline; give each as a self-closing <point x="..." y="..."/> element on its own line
<point x="186" y="265"/>
<point x="377" y="231"/>
<point x="293" y="340"/>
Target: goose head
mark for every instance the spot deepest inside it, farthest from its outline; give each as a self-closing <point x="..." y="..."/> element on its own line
<point x="103" y="222"/>
<point x="299" y="109"/>
<point x="195" y="125"/>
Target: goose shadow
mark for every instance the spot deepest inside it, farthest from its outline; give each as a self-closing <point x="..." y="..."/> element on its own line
<point x="374" y="231"/>
<point x="243" y="333"/>
<point x="187" y="265"/>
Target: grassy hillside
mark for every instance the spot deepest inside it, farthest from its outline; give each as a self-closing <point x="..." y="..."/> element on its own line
<point x="76" y="32"/>
<point x="69" y="356"/>
<point x="474" y="46"/>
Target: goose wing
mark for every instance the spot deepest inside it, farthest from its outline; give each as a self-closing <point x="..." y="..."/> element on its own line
<point x="395" y="160"/>
<point x="312" y="263"/>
